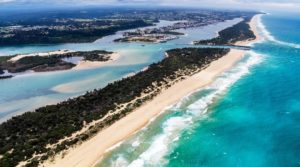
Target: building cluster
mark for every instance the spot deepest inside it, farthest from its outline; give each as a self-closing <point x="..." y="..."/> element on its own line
<point x="166" y="33"/>
<point x="192" y="19"/>
<point x="56" y="25"/>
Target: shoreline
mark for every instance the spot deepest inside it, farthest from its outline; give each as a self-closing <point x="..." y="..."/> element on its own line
<point x="254" y="28"/>
<point x="95" y="148"/>
<point x="82" y="65"/>
<point x="42" y="54"/>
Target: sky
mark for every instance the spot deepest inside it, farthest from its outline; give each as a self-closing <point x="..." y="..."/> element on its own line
<point x="231" y="4"/>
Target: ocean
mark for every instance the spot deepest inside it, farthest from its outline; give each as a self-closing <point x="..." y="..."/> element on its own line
<point x="29" y="91"/>
<point x="249" y="116"/>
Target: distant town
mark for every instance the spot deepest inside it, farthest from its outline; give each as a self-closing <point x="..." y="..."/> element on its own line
<point x="50" y="133"/>
<point x="50" y="29"/>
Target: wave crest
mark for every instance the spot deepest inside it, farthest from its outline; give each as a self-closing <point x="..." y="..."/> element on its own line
<point x="173" y="127"/>
<point x="267" y="35"/>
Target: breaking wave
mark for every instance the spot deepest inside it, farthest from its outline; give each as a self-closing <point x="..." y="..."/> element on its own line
<point x="267" y="35"/>
<point x="173" y="127"/>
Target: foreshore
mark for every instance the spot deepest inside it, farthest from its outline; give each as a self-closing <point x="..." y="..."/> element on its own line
<point x="58" y="52"/>
<point x="78" y="65"/>
<point x="84" y="65"/>
<point x="94" y="64"/>
<point x="254" y="28"/>
<point x="90" y="152"/>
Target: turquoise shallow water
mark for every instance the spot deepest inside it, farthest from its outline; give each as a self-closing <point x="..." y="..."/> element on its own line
<point x="32" y="90"/>
<point x="248" y="117"/>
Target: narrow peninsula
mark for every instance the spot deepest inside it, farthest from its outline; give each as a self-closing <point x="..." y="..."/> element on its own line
<point x="57" y="135"/>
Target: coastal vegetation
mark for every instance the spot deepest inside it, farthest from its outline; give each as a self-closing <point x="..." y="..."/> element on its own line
<point x="163" y="34"/>
<point x="37" y="136"/>
<point x="173" y="33"/>
<point x="6" y="77"/>
<point x="148" y="39"/>
<point x="96" y="55"/>
<point x="37" y="64"/>
<point x="76" y="26"/>
<point x="153" y="35"/>
<point x="52" y="62"/>
<point x="72" y="31"/>
<point x="231" y="35"/>
<point x="5" y="58"/>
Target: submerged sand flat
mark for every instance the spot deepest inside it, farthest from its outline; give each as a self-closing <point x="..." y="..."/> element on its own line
<point x="96" y="64"/>
<point x="88" y="153"/>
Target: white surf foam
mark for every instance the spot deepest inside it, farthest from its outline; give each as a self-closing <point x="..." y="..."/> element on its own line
<point x="120" y="162"/>
<point x="173" y="127"/>
<point x="267" y="35"/>
<point x="114" y="147"/>
<point x="154" y="155"/>
<point x="223" y="83"/>
<point x="136" y="143"/>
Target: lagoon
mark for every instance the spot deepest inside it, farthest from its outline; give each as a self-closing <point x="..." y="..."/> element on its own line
<point x="29" y="91"/>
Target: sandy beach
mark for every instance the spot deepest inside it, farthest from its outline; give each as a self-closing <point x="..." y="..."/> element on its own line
<point x="18" y="57"/>
<point x="254" y="28"/>
<point x="93" y="64"/>
<point x="91" y="151"/>
<point x="81" y="64"/>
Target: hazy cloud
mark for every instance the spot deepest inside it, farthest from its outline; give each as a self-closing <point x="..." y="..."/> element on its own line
<point x="254" y="4"/>
<point x="5" y="1"/>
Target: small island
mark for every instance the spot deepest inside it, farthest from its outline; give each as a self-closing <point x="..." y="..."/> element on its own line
<point x="31" y="133"/>
<point x="148" y="39"/>
<point x="52" y="61"/>
<point x="155" y="35"/>
<point x="34" y="137"/>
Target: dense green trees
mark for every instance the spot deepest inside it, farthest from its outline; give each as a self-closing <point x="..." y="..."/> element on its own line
<point x="231" y="35"/>
<point x="28" y="134"/>
<point x="49" y="36"/>
<point x="50" y="63"/>
<point x="36" y="63"/>
<point x="98" y="55"/>
<point x="24" y="135"/>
